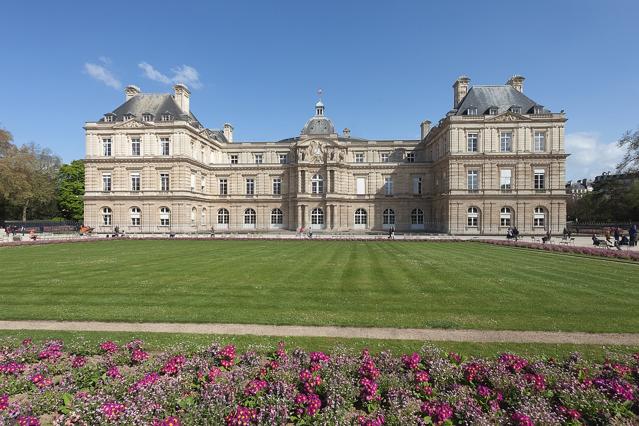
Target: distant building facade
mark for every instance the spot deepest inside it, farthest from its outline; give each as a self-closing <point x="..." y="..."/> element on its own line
<point x="495" y="160"/>
<point x="578" y="188"/>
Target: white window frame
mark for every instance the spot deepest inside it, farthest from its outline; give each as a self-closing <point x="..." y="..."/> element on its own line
<point x="277" y="186"/>
<point x="223" y="186"/>
<point x="203" y="214"/>
<point x="539" y="217"/>
<point x="107" y="145"/>
<point x="136" y="147"/>
<point x="136" y="181"/>
<point x="165" y="146"/>
<point x="234" y="158"/>
<point x="472" y="142"/>
<point x="505" y="179"/>
<point x="360" y="185"/>
<point x="107" y="182"/>
<point x="359" y="157"/>
<point x="388" y="186"/>
<point x="505" y="217"/>
<point x="317" y="184"/>
<point x="166" y="117"/>
<point x="506" y="141"/>
<point x="258" y="158"/>
<point x="147" y="117"/>
<point x="410" y="157"/>
<point x="361" y="218"/>
<point x="283" y="158"/>
<point x="165" y="182"/>
<point x="107" y="216"/>
<point x="250" y="218"/>
<point x="193" y="215"/>
<point x="388" y="218"/>
<point x="317" y="218"/>
<point x="108" y="118"/>
<point x="472" y="180"/>
<point x="135" y="214"/>
<point x="250" y="186"/>
<point x="472" y="217"/>
<point x="539" y="179"/>
<point x="418" y="183"/>
<point x="277" y="217"/>
<point x="192" y="182"/>
<point x="385" y="157"/>
<point x="223" y="217"/>
<point x="165" y="216"/>
<point x="539" y="141"/>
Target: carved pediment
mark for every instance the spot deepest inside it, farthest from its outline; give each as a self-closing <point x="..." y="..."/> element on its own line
<point x="509" y="116"/>
<point x="129" y="124"/>
<point x="319" y="151"/>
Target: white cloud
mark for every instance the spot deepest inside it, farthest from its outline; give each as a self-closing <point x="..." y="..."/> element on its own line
<point x="589" y="156"/>
<point x="102" y="74"/>
<point x="182" y="74"/>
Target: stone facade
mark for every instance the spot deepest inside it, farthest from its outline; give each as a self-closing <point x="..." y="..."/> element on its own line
<point x="152" y="167"/>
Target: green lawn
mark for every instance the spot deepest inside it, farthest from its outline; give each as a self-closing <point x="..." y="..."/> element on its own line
<point x="400" y="284"/>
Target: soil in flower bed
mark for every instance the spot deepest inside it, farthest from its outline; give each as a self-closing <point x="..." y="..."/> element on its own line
<point x="380" y="284"/>
<point x="110" y="383"/>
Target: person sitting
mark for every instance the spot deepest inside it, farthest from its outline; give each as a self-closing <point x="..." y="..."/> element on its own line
<point x="32" y="235"/>
<point x="624" y="240"/>
<point x="515" y="233"/>
<point x="596" y="241"/>
<point x="509" y="234"/>
<point x="546" y="238"/>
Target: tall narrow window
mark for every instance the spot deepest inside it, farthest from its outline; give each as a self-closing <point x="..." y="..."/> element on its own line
<point x="193" y="215"/>
<point x="277" y="218"/>
<point x="540" y="142"/>
<point x="203" y="216"/>
<point x="317" y="216"/>
<point x="505" y="179"/>
<point x="164" y="182"/>
<point x="331" y="175"/>
<point x="224" y="186"/>
<point x="473" y="217"/>
<point x="388" y="185"/>
<point x="106" y="147"/>
<point x="135" y="181"/>
<point x="472" y="142"/>
<point x="106" y="216"/>
<point x="417" y="217"/>
<point x="302" y="181"/>
<point x="473" y="180"/>
<point x="250" y="218"/>
<point x="192" y="182"/>
<point x="388" y="217"/>
<point x="539" y="179"/>
<point x="506" y="142"/>
<point x="136" y="215"/>
<point x="135" y="147"/>
<point x="165" y="216"/>
<point x="539" y="217"/>
<point x="106" y="182"/>
<point x="317" y="184"/>
<point x="505" y="216"/>
<point x="277" y="186"/>
<point x="250" y="186"/>
<point x="360" y="186"/>
<point x="361" y="217"/>
<point x="165" y="144"/>
<point x="202" y="183"/>
<point x="417" y="185"/>
<point x="223" y="217"/>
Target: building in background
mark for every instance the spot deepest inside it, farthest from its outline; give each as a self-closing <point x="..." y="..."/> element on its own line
<point x="578" y="188"/>
<point x="495" y="160"/>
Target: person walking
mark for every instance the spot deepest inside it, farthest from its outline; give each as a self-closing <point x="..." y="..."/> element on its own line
<point x="616" y="234"/>
<point x="633" y="235"/>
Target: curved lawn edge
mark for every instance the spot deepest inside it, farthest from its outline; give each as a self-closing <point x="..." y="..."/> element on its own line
<point x="607" y="254"/>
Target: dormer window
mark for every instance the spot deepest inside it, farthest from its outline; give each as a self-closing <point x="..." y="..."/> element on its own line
<point x="166" y="117"/>
<point x="538" y="109"/>
<point x="493" y="110"/>
<point x="108" y="118"/>
<point x="471" y="111"/>
<point x="147" y="117"/>
<point x="127" y="117"/>
<point x="515" y="109"/>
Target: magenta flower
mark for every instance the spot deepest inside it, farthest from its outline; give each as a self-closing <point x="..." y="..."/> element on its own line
<point x="112" y="410"/>
<point x="109" y="347"/>
<point x="4" y="402"/>
<point x="139" y="356"/>
<point x="114" y="373"/>
<point x="521" y="419"/>
<point x="241" y="416"/>
<point x="78" y="361"/>
<point x="28" y="421"/>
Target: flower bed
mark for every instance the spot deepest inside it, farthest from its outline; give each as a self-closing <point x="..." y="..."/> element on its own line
<point x="127" y="385"/>
<point x="591" y="251"/>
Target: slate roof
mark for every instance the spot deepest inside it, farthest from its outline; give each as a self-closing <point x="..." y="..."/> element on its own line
<point x="318" y="126"/>
<point x="502" y="97"/>
<point x="154" y="104"/>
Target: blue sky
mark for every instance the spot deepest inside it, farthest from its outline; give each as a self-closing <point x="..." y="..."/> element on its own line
<point x="384" y="66"/>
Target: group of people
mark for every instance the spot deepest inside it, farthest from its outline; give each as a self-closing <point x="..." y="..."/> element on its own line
<point x="391" y="233"/>
<point x="308" y="232"/>
<point x="620" y="238"/>
<point x="512" y="233"/>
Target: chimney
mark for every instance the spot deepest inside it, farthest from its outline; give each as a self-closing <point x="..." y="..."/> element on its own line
<point x="425" y="127"/>
<point x="131" y="91"/>
<point x="347" y="132"/>
<point x="182" y="95"/>
<point x="228" y="132"/>
<point x="460" y="88"/>
<point x="517" y="82"/>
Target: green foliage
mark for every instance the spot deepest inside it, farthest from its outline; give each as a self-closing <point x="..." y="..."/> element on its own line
<point x="612" y="200"/>
<point x="70" y="191"/>
<point x="630" y="161"/>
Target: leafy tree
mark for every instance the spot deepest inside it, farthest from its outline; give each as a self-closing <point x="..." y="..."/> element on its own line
<point x="70" y="194"/>
<point x="630" y="161"/>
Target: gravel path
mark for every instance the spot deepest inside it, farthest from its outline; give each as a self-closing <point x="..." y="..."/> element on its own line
<point x="503" y="336"/>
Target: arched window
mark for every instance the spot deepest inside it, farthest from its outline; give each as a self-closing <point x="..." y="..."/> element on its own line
<point x="473" y="217"/>
<point x="165" y="216"/>
<point x="250" y="218"/>
<point x="505" y="216"/>
<point x="317" y="184"/>
<point x="317" y="216"/>
<point x="223" y="217"/>
<point x="136" y="216"/>
<point x="193" y="215"/>
<point x="360" y="217"/>
<point x="277" y="218"/>
<point x="388" y="217"/>
<point x="417" y="217"/>
<point x="203" y="216"/>
<point x="539" y="217"/>
<point x="106" y="216"/>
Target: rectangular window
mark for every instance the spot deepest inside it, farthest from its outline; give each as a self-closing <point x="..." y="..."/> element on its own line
<point x="473" y="180"/>
<point x="302" y="181"/>
<point x="135" y="146"/>
<point x="224" y="186"/>
<point x="410" y="157"/>
<point x="417" y="185"/>
<point x="359" y="157"/>
<point x="106" y="182"/>
<point x="202" y="183"/>
<point x="360" y="185"/>
<point x="164" y="182"/>
<point x="106" y="147"/>
<point x="540" y="141"/>
<point x="258" y="158"/>
<point x="283" y="158"/>
<point x="135" y="181"/>
<point x="192" y="182"/>
<point x="472" y="140"/>
<point x="164" y="146"/>
<point x="234" y="158"/>
<point x="385" y="157"/>
<point x="331" y="177"/>
<point x="388" y="185"/>
<point x="506" y="142"/>
<point x="277" y="186"/>
<point x="540" y="179"/>
<point x="505" y="179"/>
<point x="250" y="186"/>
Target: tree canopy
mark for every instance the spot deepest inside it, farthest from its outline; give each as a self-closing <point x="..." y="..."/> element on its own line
<point x="70" y="192"/>
<point x="630" y="161"/>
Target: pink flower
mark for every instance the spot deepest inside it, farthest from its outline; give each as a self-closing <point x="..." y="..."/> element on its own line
<point x="411" y="362"/>
<point x="113" y="373"/>
<point x="254" y="387"/>
<point x="241" y="416"/>
<point x="78" y="361"/>
<point x="12" y="368"/>
<point x="521" y="419"/>
<point x="174" y="365"/>
<point x="144" y="382"/>
<point x="439" y="412"/>
<point x="40" y="381"/>
<point x="28" y="421"/>
<point x="169" y="421"/>
<point x="213" y="373"/>
<point x="109" y="347"/>
<point x="227" y="356"/>
<point x="4" y="402"/>
<point x="139" y="356"/>
<point x="112" y="410"/>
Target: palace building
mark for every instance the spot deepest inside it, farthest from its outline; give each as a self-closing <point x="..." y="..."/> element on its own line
<point x="495" y="160"/>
